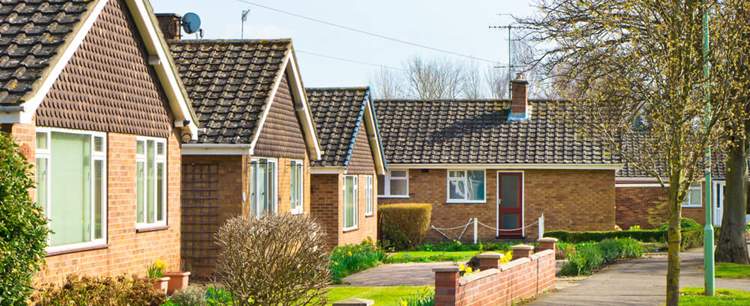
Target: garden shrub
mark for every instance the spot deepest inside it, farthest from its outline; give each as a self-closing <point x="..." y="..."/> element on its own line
<point x="23" y="227"/>
<point x="648" y="235"/>
<point x="584" y="258"/>
<point x="273" y="260"/>
<point x="352" y="258"/>
<point x="86" y="290"/>
<point x="190" y="296"/>
<point x="424" y="298"/>
<point x="458" y="246"/>
<point x="692" y="233"/>
<point x="404" y="226"/>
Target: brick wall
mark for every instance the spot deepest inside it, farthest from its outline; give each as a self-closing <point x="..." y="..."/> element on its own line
<point x="647" y="207"/>
<point x="521" y="279"/>
<point x="127" y="251"/>
<point x="570" y="200"/>
<point x="328" y="209"/>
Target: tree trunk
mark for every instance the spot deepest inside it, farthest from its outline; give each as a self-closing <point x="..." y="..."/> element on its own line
<point x="731" y="245"/>
<point x="674" y="236"/>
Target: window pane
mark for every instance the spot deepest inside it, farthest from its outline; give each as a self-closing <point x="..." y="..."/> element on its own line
<point x="398" y="187"/>
<point x="41" y="141"/>
<point x="510" y="221"/>
<point x="476" y="185"/>
<point x="368" y="195"/>
<point x="139" y="149"/>
<point x="348" y="201"/>
<point x="160" y="148"/>
<point x="293" y="188"/>
<point x="271" y="189"/>
<point x="456" y="189"/>
<point x="398" y="173"/>
<point x="98" y="198"/>
<point x="139" y="190"/>
<point x="509" y="191"/>
<point x="160" y="192"/>
<point x="381" y="184"/>
<point x="456" y="174"/>
<point x="71" y="173"/>
<point x="41" y="183"/>
<point x="98" y="144"/>
<point x="254" y="188"/>
<point x="150" y="173"/>
<point x="260" y="185"/>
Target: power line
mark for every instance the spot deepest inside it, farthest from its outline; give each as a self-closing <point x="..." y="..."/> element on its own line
<point x="356" y="30"/>
<point x="347" y="60"/>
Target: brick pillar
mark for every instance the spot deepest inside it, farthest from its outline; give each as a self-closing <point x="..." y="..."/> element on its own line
<point x="547" y="243"/>
<point x="489" y="260"/>
<point x="446" y="286"/>
<point x="522" y="250"/>
<point x="354" y="302"/>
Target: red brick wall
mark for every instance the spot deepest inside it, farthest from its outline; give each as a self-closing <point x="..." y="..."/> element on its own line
<point x="328" y="209"/>
<point x="570" y="200"/>
<point x="518" y="280"/>
<point x="647" y="207"/>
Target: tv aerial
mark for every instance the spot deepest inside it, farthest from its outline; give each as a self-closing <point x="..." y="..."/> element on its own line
<point x="191" y="23"/>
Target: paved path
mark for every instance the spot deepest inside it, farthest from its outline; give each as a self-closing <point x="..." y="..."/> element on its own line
<point x="411" y="274"/>
<point x="633" y="282"/>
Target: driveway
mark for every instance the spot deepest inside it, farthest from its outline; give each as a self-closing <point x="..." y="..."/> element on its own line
<point x="633" y="282"/>
<point x="407" y="274"/>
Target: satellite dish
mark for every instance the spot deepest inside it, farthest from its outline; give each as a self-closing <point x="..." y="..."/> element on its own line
<point x="191" y="23"/>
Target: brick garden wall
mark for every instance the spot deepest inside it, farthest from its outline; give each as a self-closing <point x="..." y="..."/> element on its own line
<point x="577" y="200"/>
<point x="521" y="279"/>
<point x="647" y="207"/>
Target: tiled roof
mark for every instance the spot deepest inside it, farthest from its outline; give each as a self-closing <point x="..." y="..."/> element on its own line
<point x="478" y="131"/>
<point x="31" y="35"/>
<point x="229" y="82"/>
<point x="338" y="113"/>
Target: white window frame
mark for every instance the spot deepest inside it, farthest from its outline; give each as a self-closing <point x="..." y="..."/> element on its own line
<point x="466" y="183"/>
<point x="297" y="208"/>
<point x="687" y="201"/>
<point x="369" y="203"/>
<point x="253" y="193"/>
<point x="157" y="160"/>
<point x="95" y="156"/>
<point x="387" y="185"/>
<point x="355" y="224"/>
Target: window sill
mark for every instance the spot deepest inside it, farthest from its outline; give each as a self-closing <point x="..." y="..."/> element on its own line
<point x="146" y="229"/>
<point x="465" y="202"/>
<point x="76" y="249"/>
<point x="393" y="197"/>
<point x="369" y="216"/>
<point x="692" y="206"/>
<point x="347" y="230"/>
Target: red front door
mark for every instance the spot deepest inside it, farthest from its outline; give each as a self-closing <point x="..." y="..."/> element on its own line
<point x="509" y="204"/>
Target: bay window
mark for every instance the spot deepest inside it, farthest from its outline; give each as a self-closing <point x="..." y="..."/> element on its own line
<point x="71" y="186"/>
<point x="351" y="198"/>
<point x="263" y="194"/>
<point x="394" y="184"/>
<point x="151" y="182"/>
<point x="296" y="188"/>
<point x="466" y="186"/>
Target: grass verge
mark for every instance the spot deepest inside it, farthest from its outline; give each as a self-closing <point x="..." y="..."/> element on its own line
<point x="429" y="256"/>
<point x="381" y="295"/>
<point x="695" y="297"/>
<point x="732" y="270"/>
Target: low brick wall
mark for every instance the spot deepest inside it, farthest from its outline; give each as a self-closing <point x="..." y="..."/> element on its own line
<point x="525" y="277"/>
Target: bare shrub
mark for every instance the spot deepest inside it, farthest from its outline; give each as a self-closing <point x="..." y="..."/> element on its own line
<point x="274" y="260"/>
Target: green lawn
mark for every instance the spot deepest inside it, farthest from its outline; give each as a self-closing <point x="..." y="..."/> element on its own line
<point x="429" y="256"/>
<point x="381" y="295"/>
<point x="732" y="270"/>
<point x="695" y="297"/>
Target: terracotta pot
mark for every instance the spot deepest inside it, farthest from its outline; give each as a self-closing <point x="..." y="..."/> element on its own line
<point x="177" y="281"/>
<point x="161" y="283"/>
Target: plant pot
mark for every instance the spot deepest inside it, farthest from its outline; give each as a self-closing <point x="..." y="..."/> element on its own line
<point x="161" y="283"/>
<point x="177" y="281"/>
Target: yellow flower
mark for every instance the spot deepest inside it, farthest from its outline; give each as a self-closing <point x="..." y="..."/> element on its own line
<point x="349" y="253"/>
<point x="404" y="303"/>
<point x="461" y="267"/>
<point x="468" y="270"/>
<point x="160" y="264"/>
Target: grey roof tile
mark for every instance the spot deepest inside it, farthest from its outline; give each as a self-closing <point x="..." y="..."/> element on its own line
<point x="337" y="113"/>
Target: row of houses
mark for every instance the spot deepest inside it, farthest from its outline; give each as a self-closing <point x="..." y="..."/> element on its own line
<point x="144" y="143"/>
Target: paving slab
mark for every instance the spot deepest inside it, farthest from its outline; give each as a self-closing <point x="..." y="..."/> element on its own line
<point x="406" y="274"/>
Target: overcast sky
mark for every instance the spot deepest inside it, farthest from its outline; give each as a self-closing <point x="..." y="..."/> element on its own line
<point x="453" y="25"/>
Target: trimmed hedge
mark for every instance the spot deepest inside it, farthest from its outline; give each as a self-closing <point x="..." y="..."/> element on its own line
<point x="692" y="235"/>
<point x="403" y="226"/>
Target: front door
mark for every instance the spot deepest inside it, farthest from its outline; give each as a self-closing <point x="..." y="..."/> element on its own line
<point x="509" y="205"/>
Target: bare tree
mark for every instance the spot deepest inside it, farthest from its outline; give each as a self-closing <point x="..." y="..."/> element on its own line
<point x="497" y="82"/>
<point x="387" y="84"/>
<point x="472" y="83"/>
<point x="434" y="79"/>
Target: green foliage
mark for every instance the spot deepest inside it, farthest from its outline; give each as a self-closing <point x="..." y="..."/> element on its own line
<point x="404" y="226"/>
<point x="23" y="227"/>
<point x="200" y="296"/>
<point x="429" y="256"/>
<point x="156" y="270"/>
<point x="576" y="237"/>
<point x="584" y="258"/>
<point x="382" y="295"/>
<point x="352" y="258"/>
<point x="696" y="296"/>
<point x="692" y="233"/>
<point x="424" y="298"/>
<point x="119" y="290"/>
<point x="456" y="246"/>
<point x="732" y="270"/>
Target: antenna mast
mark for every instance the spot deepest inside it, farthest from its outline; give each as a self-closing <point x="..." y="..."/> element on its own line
<point x="510" y="27"/>
<point x="244" y="18"/>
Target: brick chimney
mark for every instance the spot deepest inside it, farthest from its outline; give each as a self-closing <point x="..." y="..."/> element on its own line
<point x="170" y="25"/>
<point x="519" y="103"/>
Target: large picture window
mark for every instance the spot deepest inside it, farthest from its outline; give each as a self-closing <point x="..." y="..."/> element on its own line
<point x="151" y="182"/>
<point x="296" y="188"/>
<point x="466" y="186"/>
<point x="394" y="184"/>
<point x="263" y="194"/>
<point x="351" y="205"/>
<point x="71" y="186"/>
<point x="369" y="205"/>
<point x="693" y="197"/>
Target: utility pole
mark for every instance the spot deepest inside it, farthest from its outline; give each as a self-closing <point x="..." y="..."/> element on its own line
<point x="244" y="18"/>
<point x="510" y="65"/>
<point x="708" y="229"/>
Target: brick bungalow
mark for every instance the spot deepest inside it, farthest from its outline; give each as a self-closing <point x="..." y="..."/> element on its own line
<point x="252" y="156"/>
<point x="90" y="93"/>
<point x="344" y="198"/>
<point x="503" y="162"/>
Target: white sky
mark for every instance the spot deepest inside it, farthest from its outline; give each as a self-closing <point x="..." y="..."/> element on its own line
<point x="459" y="26"/>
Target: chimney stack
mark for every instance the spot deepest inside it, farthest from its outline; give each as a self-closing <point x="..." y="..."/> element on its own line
<point x="170" y="25"/>
<point x="519" y="103"/>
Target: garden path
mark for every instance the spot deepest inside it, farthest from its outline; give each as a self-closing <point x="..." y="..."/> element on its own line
<point x="406" y="274"/>
<point x="633" y="282"/>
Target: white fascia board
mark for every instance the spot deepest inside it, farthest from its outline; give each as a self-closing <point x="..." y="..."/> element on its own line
<point x="374" y="139"/>
<point x="215" y="149"/>
<point x="644" y="185"/>
<point x="326" y="170"/>
<point x="510" y="166"/>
